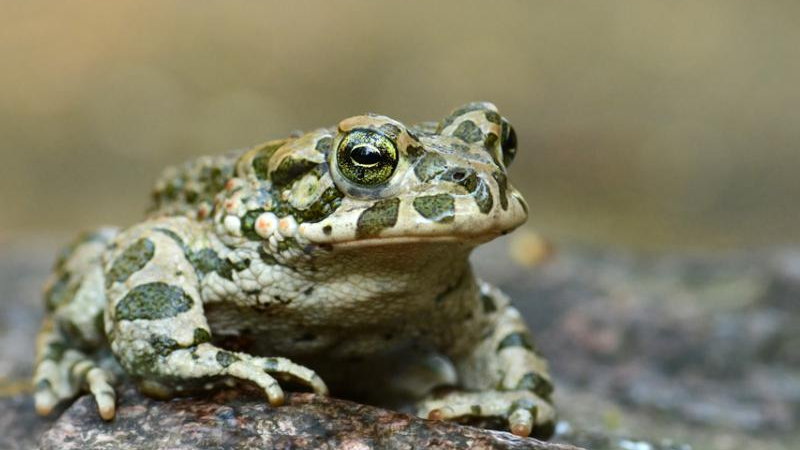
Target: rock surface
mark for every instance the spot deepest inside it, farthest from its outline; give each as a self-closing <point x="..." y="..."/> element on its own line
<point x="235" y="420"/>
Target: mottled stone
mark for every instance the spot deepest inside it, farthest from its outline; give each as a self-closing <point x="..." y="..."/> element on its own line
<point x="235" y="420"/>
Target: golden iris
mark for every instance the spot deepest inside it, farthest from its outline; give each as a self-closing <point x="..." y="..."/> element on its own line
<point x="366" y="157"/>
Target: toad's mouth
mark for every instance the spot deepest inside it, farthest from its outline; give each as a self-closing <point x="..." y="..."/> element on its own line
<point x="465" y="225"/>
<point x="416" y="240"/>
<point x="456" y="235"/>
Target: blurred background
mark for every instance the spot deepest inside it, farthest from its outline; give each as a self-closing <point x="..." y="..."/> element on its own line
<point x="644" y="124"/>
<point x="658" y="150"/>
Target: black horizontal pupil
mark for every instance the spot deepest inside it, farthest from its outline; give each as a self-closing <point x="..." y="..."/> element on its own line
<point x="365" y="155"/>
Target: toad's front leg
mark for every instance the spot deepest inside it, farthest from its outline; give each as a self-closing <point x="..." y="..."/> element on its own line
<point x="502" y="377"/>
<point x="155" y="321"/>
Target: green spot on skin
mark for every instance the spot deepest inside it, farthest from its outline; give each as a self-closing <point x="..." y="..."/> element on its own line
<point x="99" y="324"/>
<point x="289" y="170"/>
<point x="174" y="236"/>
<point x="72" y="332"/>
<point x="270" y="365"/>
<point x="205" y="261"/>
<point x="55" y="351"/>
<point x="267" y="258"/>
<point x="490" y="143"/>
<point x="474" y="185"/>
<point x="132" y="260"/>
<point x="287" y="244"/>
<point x="153" y="301"/>
<point x="522" y="204"/>
<point x="391" y="131"/>
<point x="324" y="144"/>
<point x="163" y="345"/>
<point x="438" y="208"/>
<point x="430" y="166"/>
<point x="201" y="336"/>
<point x="502" y="187"/>
<point x="227" y="267"/>
<point x="249" y="223"/>
<point x="474" y="106"/>
<point x="463" y="177"/>
<point x="261" y="167"/>
<point x="493" y="117"/>
<point x="381" y="215"/>
<point x="225" y="359"/>
<point x="468" y="132"/>
<point x="324" y="206"/>
<point x="414" y="151"/>
<point x="459" y="147"/>
<point x="483" y="197"/>
<point x="172" y="189"/>
<point x="491" y="140"/>
<point x="214" y="179"/>
<point x="515" y="340"/>
<point x="61" y="292"/>
<point x="261" y="160"/>
<point x="191" y="196"/>
<point x="536" y="384"/>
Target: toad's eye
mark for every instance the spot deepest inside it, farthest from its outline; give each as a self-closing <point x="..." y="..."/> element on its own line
<point x="508" y="143"/>
<point x="366" y="157"/>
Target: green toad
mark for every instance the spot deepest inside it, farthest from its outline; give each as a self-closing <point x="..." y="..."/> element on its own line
<point x="336" y="259"/>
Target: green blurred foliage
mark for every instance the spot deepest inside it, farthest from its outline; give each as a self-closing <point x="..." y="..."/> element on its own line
<point x="651" y="124"/>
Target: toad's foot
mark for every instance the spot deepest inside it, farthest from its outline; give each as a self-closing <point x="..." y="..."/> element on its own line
<point x="63" y="378"/>
<point x="523" y="412"/>
<point x="207" y="361"/>
<point x="281" y="368"/>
